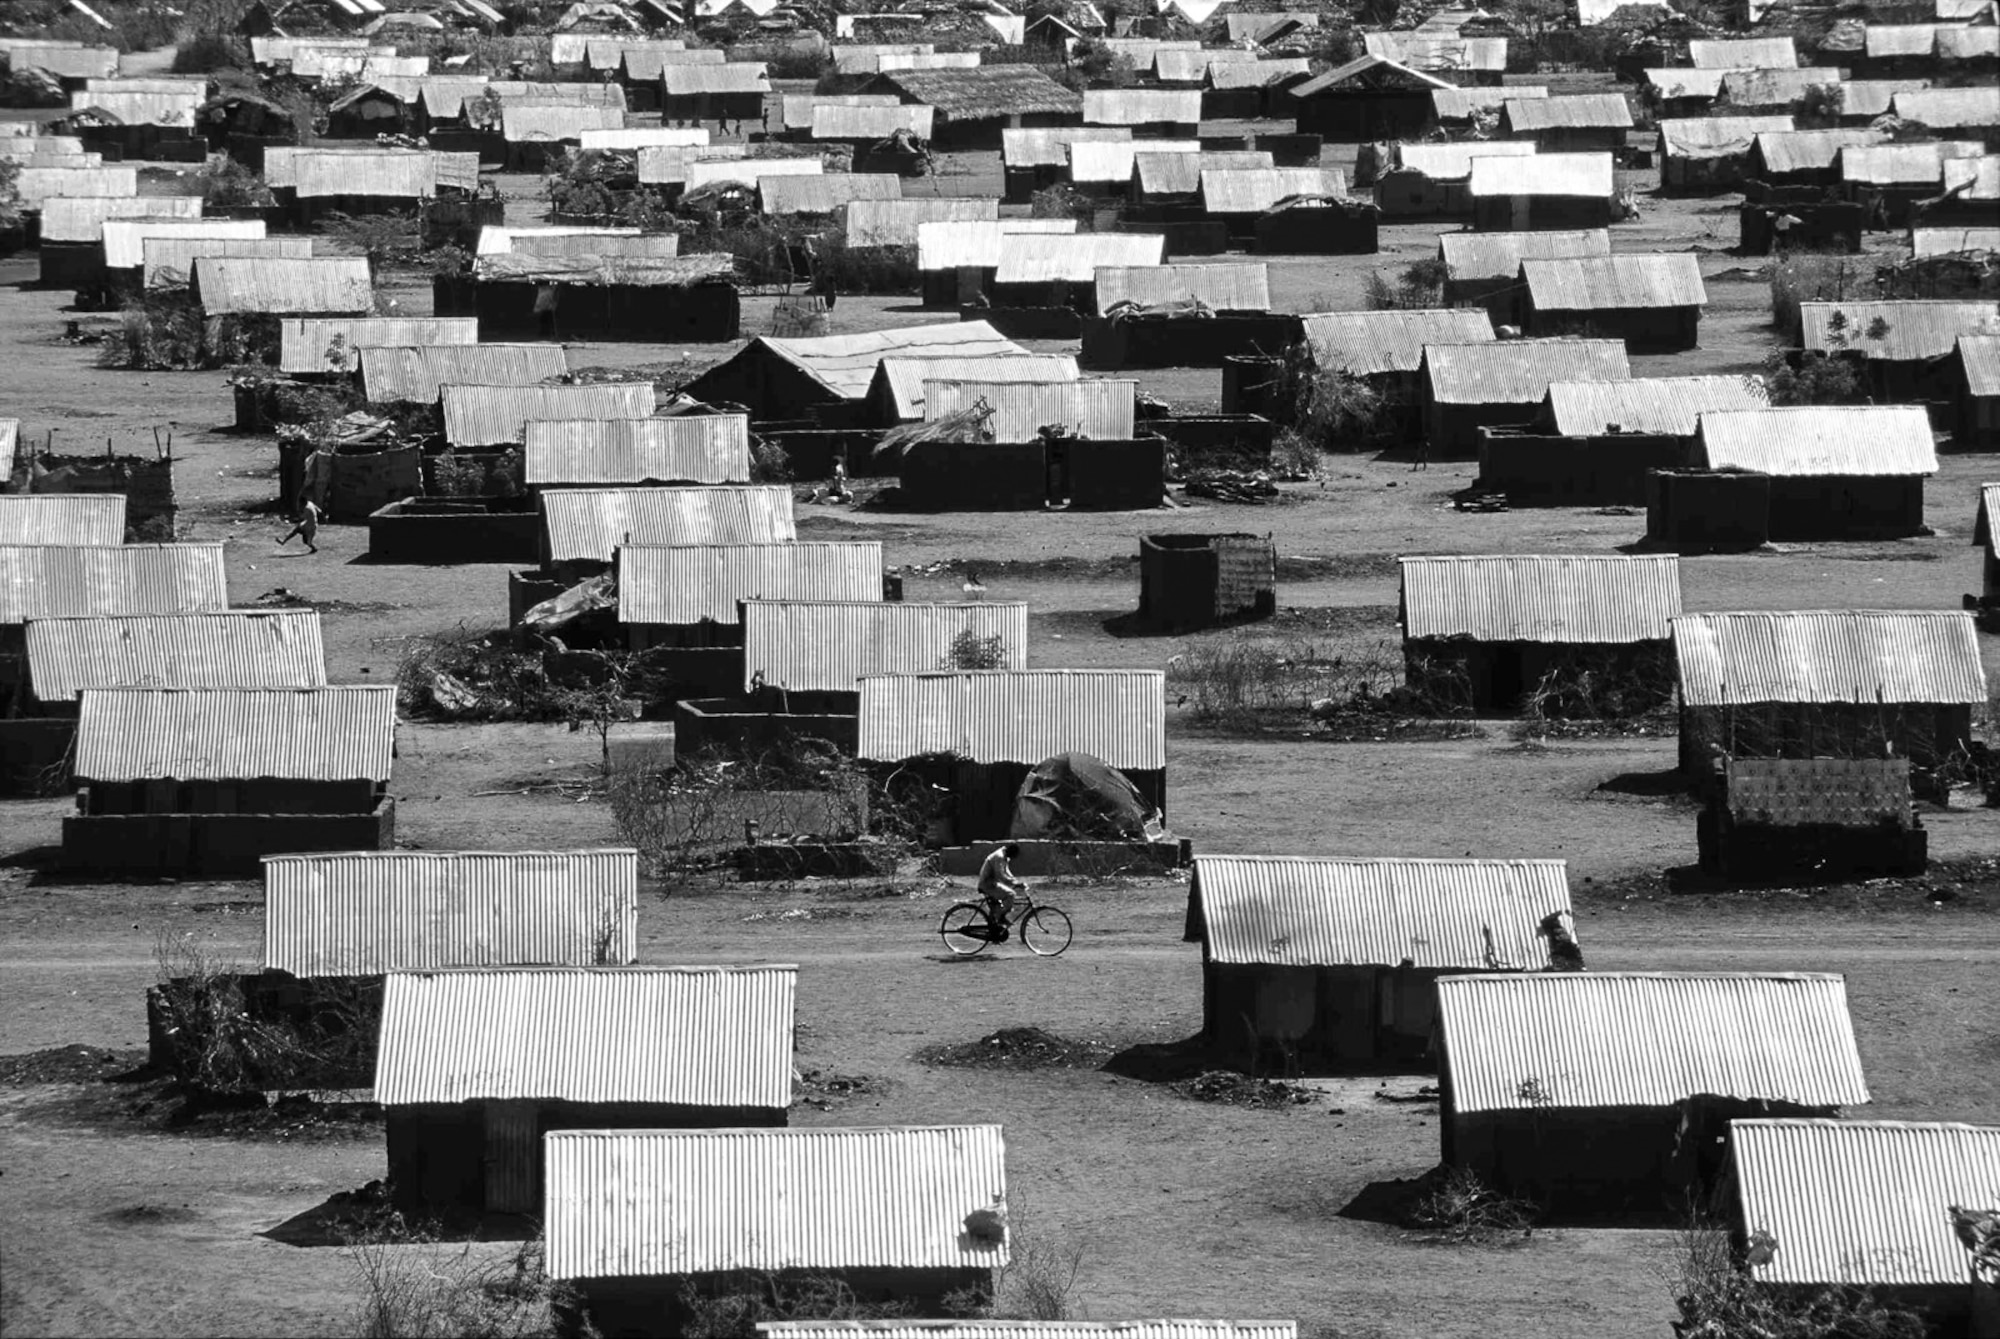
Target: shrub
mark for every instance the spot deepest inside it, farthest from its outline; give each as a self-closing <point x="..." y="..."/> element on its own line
<point x="1419" y="286"/>
<point x="207" y="53"/>
<point x="970" y="651"/>
<point x="1809" y="276"/>
<point x="735" y="1309"/>
<point x="1458" y="1207"/>
<point x="390" y="238"/>
<point x="1718" y="1300"/>
<point x="1814" y="378"/>
<point x="228" y="184"/>
<point x="217" y="1046"/>
<point x="414" y="1286"/>
<point x="1063" y="201"/>
<point x="10" y="194"/>
<point x="873" y="269"/>
<point x="799" y="62"/>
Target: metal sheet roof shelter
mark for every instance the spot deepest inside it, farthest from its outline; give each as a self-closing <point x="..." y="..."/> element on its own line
<point x="1790" y="153"/>
<point x="1299" y="911"/>
<point x="586" y="525"/>
<point x="1370" y="343"/>
<point x="1580" y="175"/>
<point x="1439" y="53"/>
<point x="168" y="262"/>
<point x="1256" y="190"/>
<point x="825" y="193"/>
<point x="561" y="241"/>
<point x="831" y="645"/>
<point x="1464" y="104"/>
<point x="236" y="648"/>
<point x="1666" y="405"/>
<point x="1572" y="1040"/>
<point x="1229" y="286"/>
<point x="1894" y="331"/>
<point x="1074" y="258"/>
<point x="1049" y="146"/>
<point x="318" y="286"/>
<point x="680" y="585"/>
<point x="643" y="137"/>
<point x="684" y="448"/>
<point x="1031" y="1329"/>
<point x="896" y="222"/>
<point x="1953" y="241"/>
<point x="775" y="377"/>
<point x="125" y="239"/>
<point x="1109" y="163"/>
<point x="673" y="1203"/>
<point x="498" y="415"/>
<point x="1862" y="657"/>
<point x="1518" y="371"/>
<point x="797" y="108"/>
<point x="1472" y="256"/>
<point x="1743" y="53"/>
<point x="1141" y="106"/>
<point x="364" y="913"/>
<point x="953" y="246"/>
<point x="668" y="1036"/>
<point x="986" y="95"/>
<point x="1161" y="171"/>
<point x="1025" y="717"/>
<point x="36" y="184"/>
<point x="836" y="122"/>
<point x="236" y="734"/>
<point x="305" y="345"/>
<point x="1519" y="598"/>
<point x="418" y="374"/>
<point x="898" y="389"/>
<point x="85" y="581"/>
<point x="1861" y="1203"/>
<point x="1096" y="410"/>
<point x="1816" y="440"/>
<point x="62" y="518"/>
<point x="81" y="218"/>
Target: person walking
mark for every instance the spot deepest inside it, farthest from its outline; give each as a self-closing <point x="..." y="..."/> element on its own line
<point x="306" y="529"/>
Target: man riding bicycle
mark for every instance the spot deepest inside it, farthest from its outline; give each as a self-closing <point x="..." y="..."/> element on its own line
<point x="998" y="886"/>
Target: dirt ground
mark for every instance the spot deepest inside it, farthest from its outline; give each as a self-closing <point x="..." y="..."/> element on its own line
<point x="114" y="1226"/>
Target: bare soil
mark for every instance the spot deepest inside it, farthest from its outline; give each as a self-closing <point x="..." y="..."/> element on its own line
<point x="122" y="1227"/>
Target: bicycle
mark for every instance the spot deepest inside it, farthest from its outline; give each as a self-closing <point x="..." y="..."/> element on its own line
<point x="967" y="927"/>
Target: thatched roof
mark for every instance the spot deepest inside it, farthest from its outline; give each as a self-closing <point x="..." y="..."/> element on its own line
<point x="987" y="93"/>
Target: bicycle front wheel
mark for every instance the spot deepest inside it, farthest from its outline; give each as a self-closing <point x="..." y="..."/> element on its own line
<point x="965" y="929"/>
<point x="1045" y="931"/>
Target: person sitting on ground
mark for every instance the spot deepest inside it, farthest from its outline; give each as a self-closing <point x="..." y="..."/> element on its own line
<point x="998" y="885"/>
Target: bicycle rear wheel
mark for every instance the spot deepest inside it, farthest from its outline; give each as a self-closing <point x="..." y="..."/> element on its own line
<point x="965" y="929"/>
<point x="1045" y="931"/>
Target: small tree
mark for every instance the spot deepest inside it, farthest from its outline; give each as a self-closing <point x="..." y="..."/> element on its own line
<point x="10" y="194"/>
<point x="970" y="651"/>
<point x="385" y="239"/>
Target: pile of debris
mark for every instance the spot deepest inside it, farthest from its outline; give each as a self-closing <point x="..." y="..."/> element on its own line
<point x="1017" y="1048"/>
<point x="1228" y="1088"/>
<point x="1254" y="487"/>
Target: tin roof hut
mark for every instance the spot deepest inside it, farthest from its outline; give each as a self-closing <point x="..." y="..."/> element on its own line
<point x="1836" y="471"/>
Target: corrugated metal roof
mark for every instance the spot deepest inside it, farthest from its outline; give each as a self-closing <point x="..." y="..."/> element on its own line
<point x="845" y="364"/>
<point x="1256" y="73"/>
<point x="62" y="518"/>
<point x="1292" y="911"/>
<point x="1452" y="159"/>
<point x="1716" y="136"/>
<point x="990" y="93"/>
<point x="634" y="269"/>
<point x="684" y="448"/>
<point x="1141" y="106"/>
<point x="1254" y="190"/>
<point x="675" y="1036"/>
<point x="1871" y="97"/>
<point x="1808" y="150"/>
<point x="1929" y="656"/>
<point x="825" y="193"/>
<point x="523" y="121"/>
<point x="1615" y="283"/>
<point x="1542" y="1040"/>
<point x="1518" y="371"/>
<point x="1973" y="178"/>
<point x="704" y="582"/>
<point x="870" y="123"/>
<point x="169" y="261"/>
<point x="1566" y="598"/>
<point x="1743" y="53"/>
<point x="1498" y="255"/>
<point x="1583" y="111"/>
<point x="653" y="1203"/>
<point x="1462" y="104"/>
<point x="895" y="222"/>
<point x="236" y="734"/>
<point x="1896" y="331"/>
<point x="902" y="379"/>
<point x="1951" y="108"/>
<point x="364" y="913"/>
<point x="1033" y="1329"/>
<point x="81" y="218"/>
<point x="1098" y="410"/>
<point x="305" y="345"/>
<point x="1952" y="241"/>
<point x="588" y="524"/>
<point x="388" y="173"/>
<point x="1116" y="715"/>
<point x="77" y="62"/>
<point x="667" y="165"/>
<point x="1179" y="65"/>
<point x="605" y="54"/>
<point x="1776" y="89"/>
<point x="746" y="77"/>
<point x="641" y="137"/>
<point x="1670" y="405"/>
<point x="1372" y="342"/>
<point x="797" y="108"/>
<point x="1969" y="42"/>
<point x="1232" y="286"/>
<point x="10" y="436"/>
<point x="1903" y="164"/>
<point x="1862" y="1203"/>
<point x="1980" y="357"/>
<point x="125" y="239"/>
<point x="1048" y="146"/>
<point x="744" y="171"/>
<point x="1584" y="175"/>
<point x="237" y="648"/>
<point x="65" y="581"/>
<point x="36" y="184"/>
<point x="1111" y="160"/>
<point x="418" y="374"/>
<point x="1899" y="39"/>
<point x="644" y="65"/>
<point x="496" y="415"/>
<point x="495" y="240"/>
<point x="1676" y="84"/>
<point x="1178" y="172"/>
<point x="1438" y="52"/>
<point x="829" y="645"/>
<point x="329" y="285"/>
<point x="176" y="108"/>
<point x="946" y="246"/>
<point x="1811" y="440"/>
<point x="26" y="143"/>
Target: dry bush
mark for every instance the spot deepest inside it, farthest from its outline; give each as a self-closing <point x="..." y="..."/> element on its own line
<point x="1718" y="1300"/>
<point x="1457" y="1207"/>
<point x="734" y="1309"/>
<point x="1594" y="685"/>
<point x="216" y="1045"/>
<point x="1420" y="285"/>
<point x="1811" y="276"/>
<point x="1238" y="678"/>
<point x="418" y="1287"/>
<point x="872" y="269"/>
